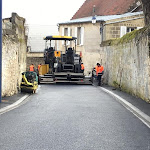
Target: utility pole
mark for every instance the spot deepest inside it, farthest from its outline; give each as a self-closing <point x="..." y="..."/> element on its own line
<point x="0" y="51"/>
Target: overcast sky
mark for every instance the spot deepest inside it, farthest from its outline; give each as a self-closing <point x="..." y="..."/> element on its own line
<point x="45" y="12"/>
<point x="41" y="16"/>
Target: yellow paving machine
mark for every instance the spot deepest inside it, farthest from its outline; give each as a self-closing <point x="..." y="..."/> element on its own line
<point x="61" y="66"/>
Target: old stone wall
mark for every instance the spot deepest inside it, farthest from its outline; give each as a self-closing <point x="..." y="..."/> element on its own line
<point x="9" y="68"/>
<point x="35" y="59"/>
<point x="127" y="65"/>
<point x="13" y="54"/>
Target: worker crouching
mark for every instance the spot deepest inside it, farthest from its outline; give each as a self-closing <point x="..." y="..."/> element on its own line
<point x="99" y="73"/>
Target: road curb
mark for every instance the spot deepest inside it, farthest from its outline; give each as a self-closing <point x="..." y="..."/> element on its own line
<point x="14" y="105"/>
<point x="138" y="113"/>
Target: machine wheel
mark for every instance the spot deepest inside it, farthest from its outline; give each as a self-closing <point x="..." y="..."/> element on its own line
<point x="39" y="80"/>
<point x="34" y="91"/>
<point x="21" y="90"/>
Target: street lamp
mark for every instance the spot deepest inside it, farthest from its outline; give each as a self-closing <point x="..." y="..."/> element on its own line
<point x="93" y="20"/>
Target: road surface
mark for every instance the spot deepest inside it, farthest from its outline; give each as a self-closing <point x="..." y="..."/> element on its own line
<point x="72" y="117"/>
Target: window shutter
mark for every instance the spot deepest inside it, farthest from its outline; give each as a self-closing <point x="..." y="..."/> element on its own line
<point x="75" y="32"/>
<point x="62" y="31"/>
<point x="62" y="35"/>
<point x="139" y="28"/>
<point x="123" y="31"/>
<point x="68" y="35"/>
<point x="69" y="31"/>
<point x="82" y="35"/>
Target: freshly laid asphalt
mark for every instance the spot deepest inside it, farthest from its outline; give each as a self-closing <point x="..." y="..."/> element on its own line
<point x="139" y="103"/>
<point x="74" y="117"/>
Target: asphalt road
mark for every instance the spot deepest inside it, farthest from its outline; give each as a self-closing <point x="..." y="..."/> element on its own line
<point x="72" y="117"/>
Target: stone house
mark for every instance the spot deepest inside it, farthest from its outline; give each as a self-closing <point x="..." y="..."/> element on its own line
<point x="14" y="47"/>
<point x="99" y="20"/>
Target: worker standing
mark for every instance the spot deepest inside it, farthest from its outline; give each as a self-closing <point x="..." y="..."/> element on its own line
<point x="31" y="68"/>
<point x="96" y="66"/>
<point x="99" y="73"/>
<point x="39" y="67"/>
<point x="82" y="67"/>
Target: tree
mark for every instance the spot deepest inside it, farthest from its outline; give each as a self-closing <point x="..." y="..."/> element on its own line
<point x="146" y="10"/>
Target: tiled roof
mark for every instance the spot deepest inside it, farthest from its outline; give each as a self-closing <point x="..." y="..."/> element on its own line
<point x="102" y="18"/>
<point x="104" y="7"/>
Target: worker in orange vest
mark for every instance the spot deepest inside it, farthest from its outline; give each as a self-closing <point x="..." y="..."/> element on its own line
<point x="96" y="66"/>
<point x="82" y="67"/>
<point x="94" y="70"/>
<point x="39" y="67"/>
<point x="31" y="68"/>
<point x="99" y="73"/>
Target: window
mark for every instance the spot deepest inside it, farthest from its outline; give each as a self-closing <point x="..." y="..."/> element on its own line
<point x="65" y="31"/>
<point x="124" y="30"/>
<point x="130" y="29"/>
<point x="79" y="33"/>
<point x="70" y="32"/>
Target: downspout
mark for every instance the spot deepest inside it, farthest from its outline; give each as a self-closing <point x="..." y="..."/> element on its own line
<point x="102" y="30"/>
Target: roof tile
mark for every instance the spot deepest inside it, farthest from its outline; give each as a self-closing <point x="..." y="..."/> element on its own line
<point x="104" y="7"/>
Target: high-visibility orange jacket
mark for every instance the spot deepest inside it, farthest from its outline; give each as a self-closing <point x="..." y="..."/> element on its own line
<point x="102" y="69"/>
<point x="99" y="69"/>
<point x="39" y="67"/>
<point x="96" y="67"/>
<point x="82" y="67"/>
<point x="32" y="68"/>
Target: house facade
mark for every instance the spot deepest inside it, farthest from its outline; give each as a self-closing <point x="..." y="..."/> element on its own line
<point x="90" y="35"/>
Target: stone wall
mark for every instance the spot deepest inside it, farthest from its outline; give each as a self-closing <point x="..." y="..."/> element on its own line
<point x="127" y="63"/>
<point x="13" y="54"/>
<point x="35" y="59"/>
